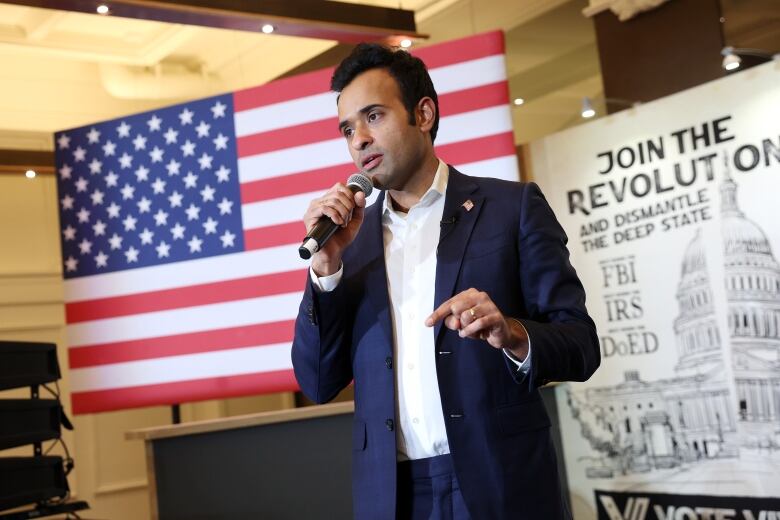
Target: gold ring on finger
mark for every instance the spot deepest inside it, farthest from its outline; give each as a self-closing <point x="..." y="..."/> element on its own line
<point x="473" y="314"/>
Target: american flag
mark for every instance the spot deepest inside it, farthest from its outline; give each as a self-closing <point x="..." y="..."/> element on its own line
<point x="180" y="226"/>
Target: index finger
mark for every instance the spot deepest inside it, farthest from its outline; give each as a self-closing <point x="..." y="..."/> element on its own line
<point x="442" y="311"/>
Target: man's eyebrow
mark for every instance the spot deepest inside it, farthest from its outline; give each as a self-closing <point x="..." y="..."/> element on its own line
<point x="364" y="110"/>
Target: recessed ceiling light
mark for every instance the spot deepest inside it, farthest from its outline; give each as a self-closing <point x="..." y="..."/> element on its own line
<point x="406" y="43"/>
<point x="268" y="28"/>
<point x="519" y="101"/>
<point x="102" y="9"/>
<point x="30" y="174"/>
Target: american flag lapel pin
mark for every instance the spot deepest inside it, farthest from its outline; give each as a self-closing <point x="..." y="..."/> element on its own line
<point x="468" y="205"/>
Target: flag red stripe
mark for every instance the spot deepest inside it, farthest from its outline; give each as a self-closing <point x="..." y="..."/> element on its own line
<point x="287" y="89"/>
<point x="287" y="185"/>
<point x="465" y="49"/>
<point x="450" y="104"/>
<point x="318" y="82"/>
<point x="271" y="236"/>
<point x="188" y="296"/>
<point x="183" y="391"/>
<point x="180" y="344"/>
<point x="481" y="149"/>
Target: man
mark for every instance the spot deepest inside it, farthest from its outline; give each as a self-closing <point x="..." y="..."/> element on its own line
<point x="448" y="302"/>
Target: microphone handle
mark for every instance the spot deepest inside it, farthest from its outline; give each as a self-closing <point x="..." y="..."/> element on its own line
<point x="320" y="233"/>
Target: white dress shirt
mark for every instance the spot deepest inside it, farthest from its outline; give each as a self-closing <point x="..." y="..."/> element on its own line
<point x="410" y="241"/>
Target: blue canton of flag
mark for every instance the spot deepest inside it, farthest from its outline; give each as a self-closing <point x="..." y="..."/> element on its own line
<point x="149" y="189"/>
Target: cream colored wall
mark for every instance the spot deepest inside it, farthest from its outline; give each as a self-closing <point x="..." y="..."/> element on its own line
<point x="110" y="472"/>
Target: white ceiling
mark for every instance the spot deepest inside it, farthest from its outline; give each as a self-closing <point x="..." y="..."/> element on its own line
<point x="64" y="69"/>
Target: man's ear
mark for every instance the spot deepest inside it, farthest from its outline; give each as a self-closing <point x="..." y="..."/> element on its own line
<point x="425" y="114"/>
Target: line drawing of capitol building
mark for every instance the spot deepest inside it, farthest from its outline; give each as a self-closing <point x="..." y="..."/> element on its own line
<point x="639" y="426"/>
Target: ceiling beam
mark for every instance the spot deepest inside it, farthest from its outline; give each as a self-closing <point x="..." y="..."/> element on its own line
<point x="329" y="20"/>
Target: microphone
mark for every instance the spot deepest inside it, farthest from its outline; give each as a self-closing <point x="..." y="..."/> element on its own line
<point x="325" y="227"/>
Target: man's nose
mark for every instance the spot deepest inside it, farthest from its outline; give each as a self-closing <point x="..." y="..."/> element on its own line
<point x="361" y="138"/>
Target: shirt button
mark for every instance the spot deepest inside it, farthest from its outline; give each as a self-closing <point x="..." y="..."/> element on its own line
<point x="389" y="362"/>
<point x="415" y="420"/>
<point x="389" y="424"/>
<point x="411" y="315"/>
<point x="411" y="366"/>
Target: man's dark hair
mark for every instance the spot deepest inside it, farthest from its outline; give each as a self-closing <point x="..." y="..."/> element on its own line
<point x="409" y="72"/>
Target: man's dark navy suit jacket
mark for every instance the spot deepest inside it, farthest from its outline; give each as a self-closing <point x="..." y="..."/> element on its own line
<point x="511" y="246"/>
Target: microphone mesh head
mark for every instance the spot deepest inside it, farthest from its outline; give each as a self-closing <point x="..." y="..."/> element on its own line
<point x="361" y="181"/>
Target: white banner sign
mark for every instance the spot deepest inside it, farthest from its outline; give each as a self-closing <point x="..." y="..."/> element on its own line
<point x="673" y="215"/>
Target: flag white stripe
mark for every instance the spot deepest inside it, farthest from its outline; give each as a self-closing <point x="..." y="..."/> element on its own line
<point x="277" y="211"/>
<point x="499" y="168"/>
<point x="459" y="128"/>
<point x="185" y="274"/>
<point x="467" y="74"/>
<point x="239" y="313"/>
<point x="173" y="369"/>
<point x="288" y="113"/>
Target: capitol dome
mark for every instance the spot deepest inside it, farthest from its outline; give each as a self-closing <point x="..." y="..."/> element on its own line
<point x="740" y="235"/>
<point x="695" y="259"/>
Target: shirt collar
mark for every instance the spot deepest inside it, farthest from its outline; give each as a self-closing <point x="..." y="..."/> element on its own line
<point x="437" y="189"/>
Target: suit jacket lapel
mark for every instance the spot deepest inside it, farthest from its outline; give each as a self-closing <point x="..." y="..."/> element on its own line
<point x="376" y="274"/>
<point x="454" y="236"/>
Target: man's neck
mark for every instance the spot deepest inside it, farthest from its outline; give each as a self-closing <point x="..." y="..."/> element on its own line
<point x="419" y="183"/>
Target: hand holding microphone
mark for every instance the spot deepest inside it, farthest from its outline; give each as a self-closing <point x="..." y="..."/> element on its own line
<point x="332" y="222"/>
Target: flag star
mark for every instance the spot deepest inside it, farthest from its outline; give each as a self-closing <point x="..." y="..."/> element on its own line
<point x="113" y="210"/>
<point x="126" y="160"/>
<point x="146" y="236"/>
<point x="93" y="136"/>
<point x="101" y="260"/>
<point x="111" y="179"/>
<point x="144" y="205"/>
<point x="190" y="180"/>
<point x="158" y="186"/>
<point x="193" y="212"/>
<point x="115" y="242"/>
<point x="79" y="154"/>
<point x="131" y="255"/>
<point x="67" y="202"/>
<point x="142" y="173"/>
<point x="186" y="116"/>
<point x="94" y="166"/>
<point x="83" y="215"/>
<point x="227" y="239"/>
<point x="218" y="109"/>
<point x="63" y="141"/>
<point x="99" y="228"/>
<point x="220" y="142"/>
<point x="223" y="174"/>
<point x="205" y="161"/>
<point x="139" y="142"/>
<point x="65" y="171"/>
<point x="178" y="231"/>
<point x="156" y="154"/>
<point x="207" y="193"/>
<point x="225" y="207"/>
<point x="162" y="249"/>
<point x="69" y="233"/>
<point x="154" y="123"/>
<point x="210" y="226"/>
<point x="203" y="129"/>
<point x="128" y="192"/>
<point x="71" y="264"/>
<point x="85" y="247"/>
<point x="188" y="148"/>
<point x="81" y="184"/>
<point x="175" y="199"/>
<point x="109" y="149"/>
<point x="170" y="136"/>
<point x="123" y="130"/>
<point x="129" y="223"/>
<point x="160" y="218"/>
<point x="97" y="197"/>
<point x="195" y="244"/>
<point x="173" y="167"/>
